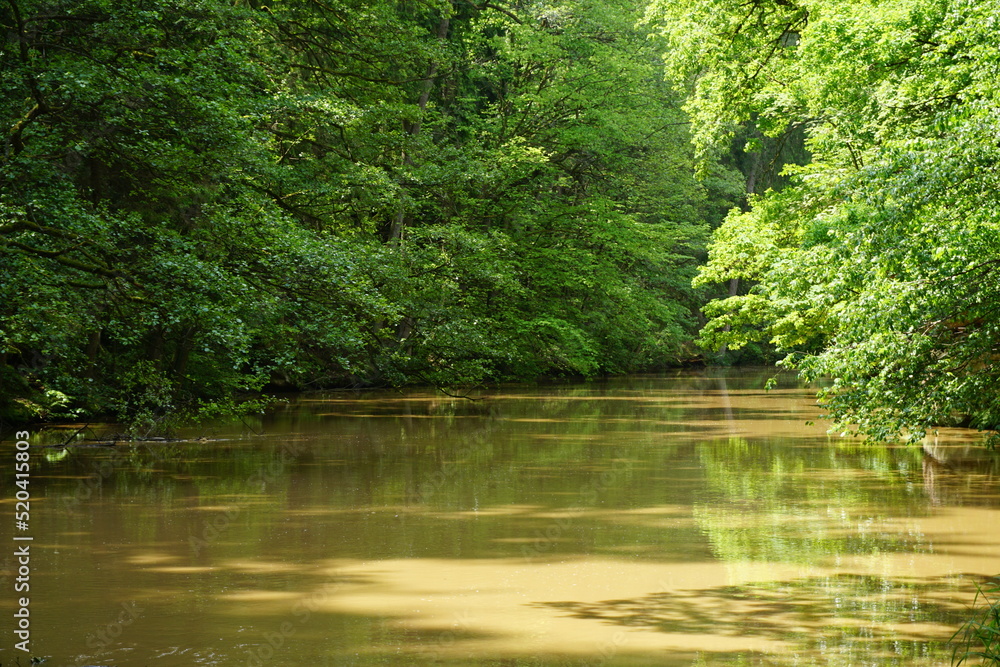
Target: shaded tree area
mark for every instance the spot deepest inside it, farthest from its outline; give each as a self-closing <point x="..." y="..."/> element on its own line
<point x="200" y="200"/>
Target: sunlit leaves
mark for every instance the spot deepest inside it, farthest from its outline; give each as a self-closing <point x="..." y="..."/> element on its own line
<point x="876" y="267"/>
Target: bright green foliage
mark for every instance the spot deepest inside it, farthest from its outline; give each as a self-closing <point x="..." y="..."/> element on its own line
<point x="203" y="199"/>
<point x="877" y="266"/>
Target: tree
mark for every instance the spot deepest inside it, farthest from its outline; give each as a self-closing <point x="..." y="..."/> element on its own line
<point x="143" y="269"/>
<point x="876" y="268"/>
<point x="203" y="199"/>
<point x="526" y="171"/>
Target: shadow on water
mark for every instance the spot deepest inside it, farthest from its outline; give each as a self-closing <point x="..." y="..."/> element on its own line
<point x="690" y="520"/>
<point x="881" y="620"/>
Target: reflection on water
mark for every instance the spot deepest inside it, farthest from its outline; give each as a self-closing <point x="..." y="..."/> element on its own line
<point x="685" y="520"/>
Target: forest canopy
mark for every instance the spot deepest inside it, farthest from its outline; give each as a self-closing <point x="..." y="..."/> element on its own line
<point x="876" y="266"/>
<point x="200" y="199"/>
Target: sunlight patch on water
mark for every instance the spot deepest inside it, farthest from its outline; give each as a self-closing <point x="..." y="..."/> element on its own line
<point x="678" y="522"/>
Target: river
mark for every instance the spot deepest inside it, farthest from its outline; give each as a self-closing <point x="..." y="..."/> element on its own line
<point x="686" y="519"/>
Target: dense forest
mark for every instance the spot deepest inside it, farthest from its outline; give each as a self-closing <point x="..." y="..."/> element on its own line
<point x="203" y="199"/>
<point x="876" y="268"/>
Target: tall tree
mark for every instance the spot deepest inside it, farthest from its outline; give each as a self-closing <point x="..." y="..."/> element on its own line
<point x="877" y="267"/>
<point x="527" y="172"/>
<point x="199" y="200"/>
<point x="141" y="265"/>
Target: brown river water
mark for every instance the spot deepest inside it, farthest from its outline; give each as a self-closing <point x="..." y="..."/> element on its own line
<point x="687" y="519"/>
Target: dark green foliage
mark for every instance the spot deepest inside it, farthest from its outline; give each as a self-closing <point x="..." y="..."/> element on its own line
<point x="203" y="199"/>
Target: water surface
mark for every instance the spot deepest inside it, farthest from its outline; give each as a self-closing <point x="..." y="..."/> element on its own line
<point x="694" y="519"/>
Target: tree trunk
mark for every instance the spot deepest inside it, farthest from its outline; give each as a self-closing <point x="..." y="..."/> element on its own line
<point x="400" y="221"/>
